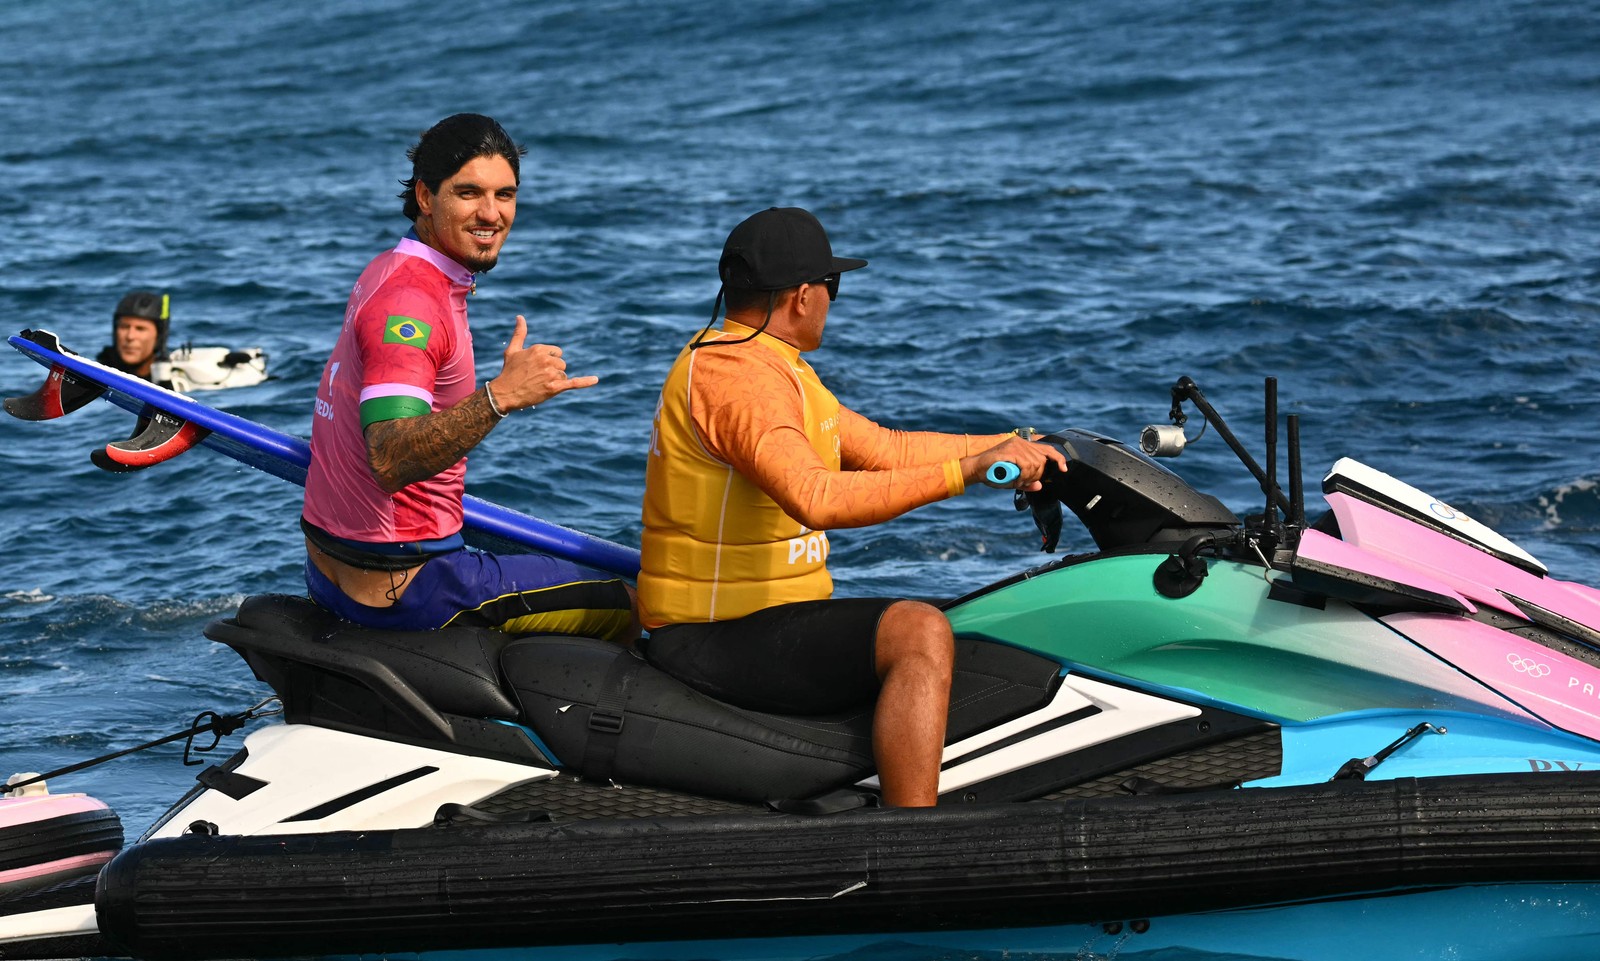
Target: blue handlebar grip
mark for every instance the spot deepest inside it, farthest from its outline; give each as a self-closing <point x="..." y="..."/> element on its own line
<point x="1002" y="472"/>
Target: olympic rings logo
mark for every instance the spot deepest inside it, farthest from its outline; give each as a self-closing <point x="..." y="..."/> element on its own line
<point x="1527" y="665"/>
<point x="1444" y="510"/>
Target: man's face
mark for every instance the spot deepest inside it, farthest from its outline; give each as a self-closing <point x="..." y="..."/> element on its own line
<point x="472" y="212"/>
<point x="136" y="340"/>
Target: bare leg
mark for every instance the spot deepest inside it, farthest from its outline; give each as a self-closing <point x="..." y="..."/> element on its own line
<point x="915" y="656"/>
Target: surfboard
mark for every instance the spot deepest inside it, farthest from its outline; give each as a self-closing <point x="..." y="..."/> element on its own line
<point x="176" y="423"/>
<point x="190" y="368"/>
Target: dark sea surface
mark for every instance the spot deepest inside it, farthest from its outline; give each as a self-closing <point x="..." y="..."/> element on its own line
<point x="1393" y="208"/>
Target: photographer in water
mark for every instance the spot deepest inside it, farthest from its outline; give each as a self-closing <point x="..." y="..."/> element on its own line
<point x="139" y="328"/>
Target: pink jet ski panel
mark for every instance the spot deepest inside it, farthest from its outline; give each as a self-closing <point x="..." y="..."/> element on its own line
<point x="1477" y="576"/>
<point x="1558" y="689"/>
<point x="1330" y="557"/>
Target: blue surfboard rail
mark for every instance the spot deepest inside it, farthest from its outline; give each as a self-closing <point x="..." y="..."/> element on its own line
<point x="487" y="525"/>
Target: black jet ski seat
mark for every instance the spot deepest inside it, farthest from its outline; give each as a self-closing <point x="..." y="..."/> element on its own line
<point x="583" y="705"/>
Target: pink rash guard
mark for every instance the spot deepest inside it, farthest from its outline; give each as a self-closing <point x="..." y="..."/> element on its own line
<point x="404" y="350"/>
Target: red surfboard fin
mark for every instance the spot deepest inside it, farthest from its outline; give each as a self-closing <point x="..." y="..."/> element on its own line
<point x="159" y="437"/>
<point x="62" y="393"/>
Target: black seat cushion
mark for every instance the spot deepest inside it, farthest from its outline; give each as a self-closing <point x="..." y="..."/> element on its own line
<point x="455" y="669"/>
<point x="673" y="736"/>
<point x="661" y="731"/>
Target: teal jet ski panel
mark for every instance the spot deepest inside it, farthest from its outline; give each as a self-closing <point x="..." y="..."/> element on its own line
<point x="1228" y="643"/>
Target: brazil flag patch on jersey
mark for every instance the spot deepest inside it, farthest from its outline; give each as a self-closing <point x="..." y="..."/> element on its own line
<point x="407" y="330"/>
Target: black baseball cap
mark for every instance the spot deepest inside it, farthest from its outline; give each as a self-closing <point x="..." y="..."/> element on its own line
<point x="779" y="248"/>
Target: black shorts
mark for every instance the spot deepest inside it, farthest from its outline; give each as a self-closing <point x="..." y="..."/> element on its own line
<point x="812" y="657"/>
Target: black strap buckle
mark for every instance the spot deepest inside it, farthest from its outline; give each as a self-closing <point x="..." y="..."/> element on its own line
<point x="605" y="722"/>
<point x="606" y="718"/>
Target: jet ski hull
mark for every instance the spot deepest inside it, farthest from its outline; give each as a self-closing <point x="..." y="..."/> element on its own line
<point x="49" y="838"/>
<point x="1101" y="862"/>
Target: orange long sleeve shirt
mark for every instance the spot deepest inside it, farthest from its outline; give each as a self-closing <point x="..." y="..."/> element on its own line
<point x="751" y="459"/>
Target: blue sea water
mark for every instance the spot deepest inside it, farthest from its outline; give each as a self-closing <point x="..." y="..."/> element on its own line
<point x="1392" y="207"/>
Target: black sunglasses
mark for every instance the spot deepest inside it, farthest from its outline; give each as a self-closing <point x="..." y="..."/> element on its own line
<point x="832" y="283"/>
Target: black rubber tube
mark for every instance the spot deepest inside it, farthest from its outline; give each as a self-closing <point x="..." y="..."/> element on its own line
<point x="952" y="867"/>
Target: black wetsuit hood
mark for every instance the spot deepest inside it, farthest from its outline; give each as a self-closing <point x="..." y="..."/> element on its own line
<point x="144" y="304"/>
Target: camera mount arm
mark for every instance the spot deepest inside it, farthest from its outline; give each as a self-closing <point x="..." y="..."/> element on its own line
<point x="1187" y="390"/>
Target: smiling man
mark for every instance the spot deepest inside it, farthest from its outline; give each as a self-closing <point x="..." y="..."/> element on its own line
<point x="399" y="408"/>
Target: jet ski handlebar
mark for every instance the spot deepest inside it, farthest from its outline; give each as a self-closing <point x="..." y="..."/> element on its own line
<point x="1126" y="499"/>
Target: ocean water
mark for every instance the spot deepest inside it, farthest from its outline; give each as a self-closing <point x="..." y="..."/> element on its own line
<point x="1393" y="208"/>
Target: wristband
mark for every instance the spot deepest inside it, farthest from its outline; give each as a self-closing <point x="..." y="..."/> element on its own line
<point x="1026" y="433"/>
<point x="493" y="407"/>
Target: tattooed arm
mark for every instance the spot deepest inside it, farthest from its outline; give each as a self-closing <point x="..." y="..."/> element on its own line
<point x="410" y="449"/>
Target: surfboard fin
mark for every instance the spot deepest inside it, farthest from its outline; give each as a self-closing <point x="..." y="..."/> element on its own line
<point x="62" y="393"/>
<point x="159" y="437"/>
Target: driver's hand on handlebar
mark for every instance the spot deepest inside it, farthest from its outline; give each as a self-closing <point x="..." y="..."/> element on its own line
<point x="1032" y="458"/>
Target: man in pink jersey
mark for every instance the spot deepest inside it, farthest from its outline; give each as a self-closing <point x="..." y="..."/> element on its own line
<point x="399" y="408"/>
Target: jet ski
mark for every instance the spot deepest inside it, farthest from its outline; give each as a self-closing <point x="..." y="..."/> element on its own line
<point x="1377" y="730"/>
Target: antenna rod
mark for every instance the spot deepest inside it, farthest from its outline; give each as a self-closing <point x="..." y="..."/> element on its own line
<point x="1269" y="485"/>
<point x="1297" y="494"/>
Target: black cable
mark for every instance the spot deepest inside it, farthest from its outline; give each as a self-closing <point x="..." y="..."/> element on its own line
<point x="700" y="340"/>
<point x="220" y="724"/>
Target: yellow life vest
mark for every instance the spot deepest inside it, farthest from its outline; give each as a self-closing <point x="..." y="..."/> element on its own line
<point x="715" y="547"/>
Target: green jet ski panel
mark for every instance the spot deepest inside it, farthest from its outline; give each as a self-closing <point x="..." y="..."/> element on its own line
<point x="1227" y="643"/>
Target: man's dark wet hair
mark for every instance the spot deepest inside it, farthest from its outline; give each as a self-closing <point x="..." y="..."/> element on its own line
<point x="451" y="144"/>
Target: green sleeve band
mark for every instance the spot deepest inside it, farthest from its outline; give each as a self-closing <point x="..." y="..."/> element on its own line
<point x="391" y="408"/>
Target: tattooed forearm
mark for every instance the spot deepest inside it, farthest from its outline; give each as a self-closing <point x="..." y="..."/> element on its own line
<point x="411" y="449"/>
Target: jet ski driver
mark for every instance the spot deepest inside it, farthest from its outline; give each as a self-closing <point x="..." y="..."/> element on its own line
<point x="751" y="461"/>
